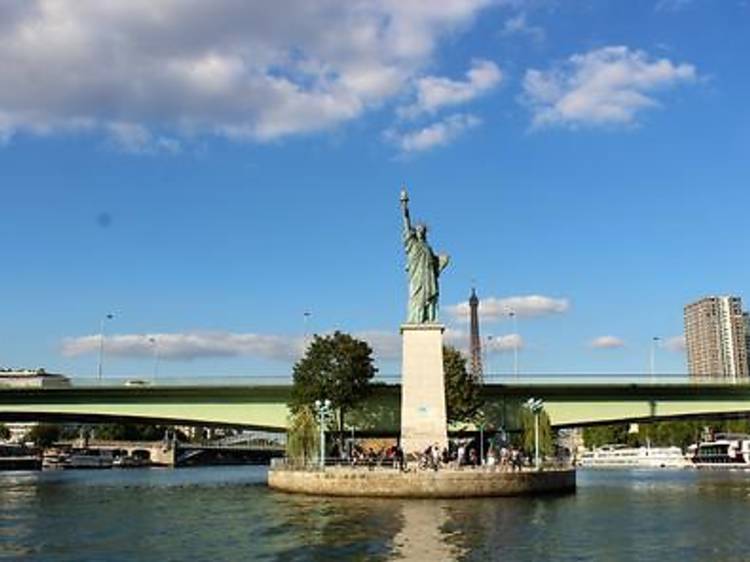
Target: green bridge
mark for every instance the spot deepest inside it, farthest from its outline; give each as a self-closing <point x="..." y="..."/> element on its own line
<point x="568" y="402"/>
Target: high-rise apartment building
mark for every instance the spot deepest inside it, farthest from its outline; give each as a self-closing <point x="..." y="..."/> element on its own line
<point x="716" y="334"/>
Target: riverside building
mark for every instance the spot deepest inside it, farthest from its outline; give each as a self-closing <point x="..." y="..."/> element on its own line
<point x="716" y="334"/>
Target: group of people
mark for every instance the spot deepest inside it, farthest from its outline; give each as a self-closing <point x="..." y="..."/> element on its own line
<point x="463" y="455"/>
<point x="456" y="455"/>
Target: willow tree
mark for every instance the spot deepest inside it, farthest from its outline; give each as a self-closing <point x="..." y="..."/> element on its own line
<point x="546" y="437"/>
<point x="302" y="436"/>
<point x="336" y="367"/>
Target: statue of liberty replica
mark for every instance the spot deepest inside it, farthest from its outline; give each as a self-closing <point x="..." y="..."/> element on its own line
<point x="423" y="268"/>
<point x="423" y="413"/>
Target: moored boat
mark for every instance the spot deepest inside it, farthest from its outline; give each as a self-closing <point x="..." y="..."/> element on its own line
<point x="77" y="458"/>
<point x="622" y="456"/>
<point x="724" y="450"/>
<point x="18" y="457"/>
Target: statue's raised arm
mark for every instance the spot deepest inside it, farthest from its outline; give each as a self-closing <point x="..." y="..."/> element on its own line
<point x="407" y="230"/>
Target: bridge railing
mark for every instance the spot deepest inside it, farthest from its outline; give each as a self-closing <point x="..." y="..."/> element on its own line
<point x="529" y="379"/>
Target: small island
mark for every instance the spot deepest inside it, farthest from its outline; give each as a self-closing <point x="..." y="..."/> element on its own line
<point x="422" y="462"/>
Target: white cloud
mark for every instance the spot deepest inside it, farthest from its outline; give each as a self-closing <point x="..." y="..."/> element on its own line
<point x="137" y="139"/>
<point x="671" y="5"/>
<point x="607" y="86"/>
<point x="607" y="342"/>
<point x="188" y="346"/>
<point x="436" y="92"/>
<point x="517" y="25"/>
<point x="200" y="345"/>
<point x="674" y="343"/>
<point x="439" y="133"/>
<point x="244" y="70"/>
<point x="490" y="344"/>
<point x="492" y="308"/>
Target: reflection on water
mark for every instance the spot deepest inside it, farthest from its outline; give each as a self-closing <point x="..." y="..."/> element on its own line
<point x="423" y="534"/>
<point x="227" y="513"/>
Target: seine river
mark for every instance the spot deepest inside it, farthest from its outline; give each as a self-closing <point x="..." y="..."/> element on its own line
<point x="227" y="513"/>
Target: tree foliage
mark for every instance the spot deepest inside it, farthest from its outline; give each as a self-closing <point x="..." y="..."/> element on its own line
<point x="44" y="434"/>
<point x="4" y="432"/>
<point x="461" y="387"/>
<point x="131" y="432"/>
<point x="336" y="367"/>
<point x="610" y="434"/>
<point x="302" y="440"/>
<point x="680" y="433"/>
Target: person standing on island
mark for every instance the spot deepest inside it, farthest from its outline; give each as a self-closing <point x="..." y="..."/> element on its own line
<point x="423" y="268"/>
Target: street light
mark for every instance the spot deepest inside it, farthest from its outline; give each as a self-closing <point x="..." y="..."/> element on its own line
<point x="535" y="405"/>
<point x="155" y="342"/>
<point x="323" y="408"/>
<point x="306" y="315"/>
<point x="101" y="345"/>
<point x="512" y="315"/>
<point x="487" y="352"/>
<point x="652" y="357"/>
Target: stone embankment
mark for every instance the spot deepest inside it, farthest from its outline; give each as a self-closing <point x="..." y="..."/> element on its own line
<point x="445" y="483"/>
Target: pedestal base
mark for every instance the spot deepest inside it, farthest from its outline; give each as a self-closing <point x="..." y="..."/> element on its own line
<point x="423" y="414"/>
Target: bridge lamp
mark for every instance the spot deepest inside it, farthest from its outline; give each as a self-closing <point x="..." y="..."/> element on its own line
<point x="155" y="342"/>
<point x="323" y="408"/>
<point x="535" y="405"/>
<point x="513" y="318"/>
<point x="101" y="344"/>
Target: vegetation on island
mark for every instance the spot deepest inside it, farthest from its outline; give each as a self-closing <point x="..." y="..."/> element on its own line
<point x="462" y="389"/>
<point x="302" y="440"/>
<point x="4" y="432"/>
<point x="335" y="367"/>
<point x="546" y="434"/>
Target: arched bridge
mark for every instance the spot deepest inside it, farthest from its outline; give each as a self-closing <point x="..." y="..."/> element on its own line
<point x="569" y="401"/>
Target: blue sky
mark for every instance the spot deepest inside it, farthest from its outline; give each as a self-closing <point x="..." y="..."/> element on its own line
<point x="208" y="177"/>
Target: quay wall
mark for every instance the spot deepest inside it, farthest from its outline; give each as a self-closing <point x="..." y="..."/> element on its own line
<point x="446" y="483"/>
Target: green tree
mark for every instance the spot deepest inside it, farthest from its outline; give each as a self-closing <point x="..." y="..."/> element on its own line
<point x="336" y="367"/>
<point x="461" y="387"/>
<point x="302" y="440"/>
<point x="133" y="432"/>
<point x="611" y="434"/>
<point x="4" y="432"/>
<point x="546" y="437"/>
<point x="43" y="434"/>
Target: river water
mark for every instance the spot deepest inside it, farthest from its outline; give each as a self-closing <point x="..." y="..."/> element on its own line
<point x="227" y="513"/>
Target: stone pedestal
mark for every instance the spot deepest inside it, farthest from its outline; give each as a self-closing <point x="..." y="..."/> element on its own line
<point x="423" y="414"/>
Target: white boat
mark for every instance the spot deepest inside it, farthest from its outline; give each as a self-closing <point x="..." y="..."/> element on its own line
<point x="725" y="450"/>
<point x="77" y="458"/>
<point x="622" y="456"/>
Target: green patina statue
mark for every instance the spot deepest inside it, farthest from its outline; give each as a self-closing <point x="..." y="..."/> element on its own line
<point x="423" y="268"/>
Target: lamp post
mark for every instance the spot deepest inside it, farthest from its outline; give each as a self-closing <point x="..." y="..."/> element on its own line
<point x="535" y="405"/>
<point x="323" y="408"/>
<point x="487" y="353"/>
<point x="512" y="315"/>
<point x="306" y="316"/>
<point x="155" y="342"/>
<point x="101" y="345"/>
<point x="652" y="356"/>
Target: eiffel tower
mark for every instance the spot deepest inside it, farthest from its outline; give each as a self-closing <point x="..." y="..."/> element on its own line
<point x="475" y="344"/>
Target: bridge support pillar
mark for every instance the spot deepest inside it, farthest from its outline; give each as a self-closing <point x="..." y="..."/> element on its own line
<point x="423" y="413"/>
